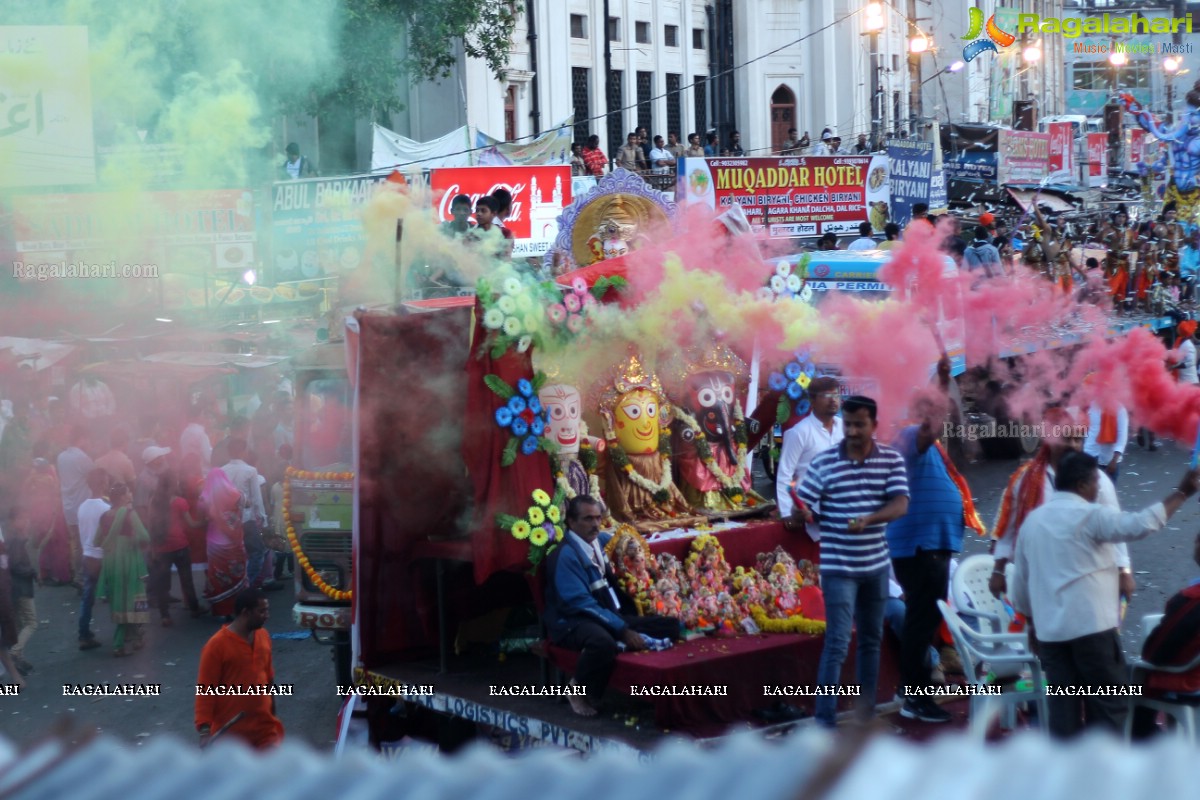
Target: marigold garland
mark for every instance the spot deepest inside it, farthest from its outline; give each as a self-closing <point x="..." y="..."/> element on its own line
<point x="796" y="623"/>
<point x="341" y="595"/>
<point x="661" y="491"/>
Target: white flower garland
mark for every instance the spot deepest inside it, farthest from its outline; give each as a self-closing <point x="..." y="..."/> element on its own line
<point x="739" y="475"/>
<point x="650" y="486"/>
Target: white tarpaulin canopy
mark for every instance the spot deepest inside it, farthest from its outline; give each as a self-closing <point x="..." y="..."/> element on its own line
<point x="390" y="151"/>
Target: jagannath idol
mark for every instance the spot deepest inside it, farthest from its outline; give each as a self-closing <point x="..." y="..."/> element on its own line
<point x="575" y="461"/>
<point x="710" y="440"/>
<point x="640" y="488"/>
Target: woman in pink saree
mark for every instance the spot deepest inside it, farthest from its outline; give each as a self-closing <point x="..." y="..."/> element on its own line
<point x="222" y="506"/>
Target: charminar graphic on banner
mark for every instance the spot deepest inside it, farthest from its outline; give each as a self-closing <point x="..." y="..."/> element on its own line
<point x="45" y="107"/>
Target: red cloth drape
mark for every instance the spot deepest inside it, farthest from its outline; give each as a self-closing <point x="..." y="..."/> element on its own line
<point x="497" y="489"/>
<point x="411" y="484"/>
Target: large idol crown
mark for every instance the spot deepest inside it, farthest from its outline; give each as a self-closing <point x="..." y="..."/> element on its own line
<point x="625" y="377"/>
<point x="716" y="357"/>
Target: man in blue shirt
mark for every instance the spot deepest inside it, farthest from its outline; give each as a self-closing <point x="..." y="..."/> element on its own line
<point x="860" y="486"/>
<point x="922" y="543"/>
<point x="584" y="609"/>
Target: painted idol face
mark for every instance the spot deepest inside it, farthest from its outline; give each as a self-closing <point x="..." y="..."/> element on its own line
<point x="710" y="395"/>
<point x="637" y="422"/>
<point x="563" y="408"/>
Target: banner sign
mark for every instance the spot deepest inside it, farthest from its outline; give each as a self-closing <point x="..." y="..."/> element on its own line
<point x="1062" y="152"/>
<point x="1023" y="156"/>
<point x="316" y="225"/>
<point x="551" y="148"/>
<point x="1097" y="156"/>
<point x="539" y="196"/>
<point x="186" y="231"/>
<point x="911" y="165"/>
<point x="789" y="196"/>
<point x="45" y="107"/>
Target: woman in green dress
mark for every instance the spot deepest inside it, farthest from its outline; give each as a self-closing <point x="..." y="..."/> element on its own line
<point x="123" y="574"/>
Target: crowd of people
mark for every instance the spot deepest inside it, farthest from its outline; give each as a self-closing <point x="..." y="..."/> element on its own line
<point x="90" y="505"/>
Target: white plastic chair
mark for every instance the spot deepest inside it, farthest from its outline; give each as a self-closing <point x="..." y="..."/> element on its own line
<point x="1185" y="714"/>
<point x="973" y="599"/>
<point x="1006" y="654"/>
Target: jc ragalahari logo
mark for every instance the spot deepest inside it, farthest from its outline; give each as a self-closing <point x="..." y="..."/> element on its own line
<point x="996" y="38"/>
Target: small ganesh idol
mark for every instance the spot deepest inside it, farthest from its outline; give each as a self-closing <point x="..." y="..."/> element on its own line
<point x="575" y="462"/>
<point x="666" y="599"/>
<point x="639" y="485"/>
<point x="709" y="432"/>
<point x="630" y="556"/>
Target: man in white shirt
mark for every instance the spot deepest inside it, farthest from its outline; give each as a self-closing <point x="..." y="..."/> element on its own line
<point x="1045" y="463"/>
<point x="662" y="160"/>
<point x="804" y="441"/>
<point x="864" y="240"/>
<point x="1065" y="581"/>
<point x="1108" y="433"/>
<point x="89" y="514"/>
<point x="194" y="438"/>
<point x="1187" y="353"/>
<point x="254" y="513"/>
<point x="73" y="467"/>
<point x="822" y="147"/>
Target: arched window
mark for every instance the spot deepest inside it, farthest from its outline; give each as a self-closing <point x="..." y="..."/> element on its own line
<point x="783" y="116"/>
<point x="510" y="114"/>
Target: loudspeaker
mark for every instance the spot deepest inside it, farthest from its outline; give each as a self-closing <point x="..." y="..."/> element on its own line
<point x="1113" y="117"/>
<point x="1023" y="115"/>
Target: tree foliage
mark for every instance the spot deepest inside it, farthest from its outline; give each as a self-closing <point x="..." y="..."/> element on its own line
<point x="382" y="40"/>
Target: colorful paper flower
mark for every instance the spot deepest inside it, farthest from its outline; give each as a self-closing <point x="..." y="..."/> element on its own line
<point x="520" y="427"/>
<point x="521" y="529"/>
<point x="542" y="498"/>
<point x="506" y="304"/>
<point x="512" y="327"/>
<point x="553" y="514"/>
<point x="524" y="302"/>
<point x="806" y="294"/>
<point x="535" y="405"/>
<point x="504" y="416"/>
<point x="537" y="427"/>
<point x="783" y="268"/>
<point x="579" y="285"/>
<point x="804" y="380"/>
<point x="794" y="283"/>
<point x="538" y="537"/>
<point x="525" y="389"/>
<point x="530" y="444"/>
<point x="524" y="343"/>
<point x="557" y="313"/>
<point x="531" y="321"/>
<point x="535" y="515"/>
<point x="551" y="531"/>
<point x="778" y="284"/>
<point x="493" y="319"/>
<point x="572" y="302"/>
<point x="574" y="323"/>
<point x="792" y="370"/>
<point x="803" y="406"/>
<point x="517" y="404"/>
<point x="512" y="286"/>
<point x="794" y="391"/>
<point x="777" y="382"/>
<point x="589" y="300"/>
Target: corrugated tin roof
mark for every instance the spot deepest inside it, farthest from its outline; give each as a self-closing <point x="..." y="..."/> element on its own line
<point x="805" y="765"/>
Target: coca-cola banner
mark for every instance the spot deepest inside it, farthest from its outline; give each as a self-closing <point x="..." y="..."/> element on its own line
<point x="1097" y="156"/>
<point x="539" y="195"/>
<point x="1061" y="163"/>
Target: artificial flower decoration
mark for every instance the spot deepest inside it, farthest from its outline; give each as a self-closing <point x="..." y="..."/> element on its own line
<point x="513" y="310"/>
<point x="793" y="382"/>
<point x="540" y="525"/>
<point x="788" y="282"/>
<point x="522" y="415"/>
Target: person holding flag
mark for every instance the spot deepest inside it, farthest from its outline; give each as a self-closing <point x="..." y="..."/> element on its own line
<point x="923" y="541"/>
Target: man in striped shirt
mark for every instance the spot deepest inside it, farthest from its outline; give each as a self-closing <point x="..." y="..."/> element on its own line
<point x="860" y="486"/>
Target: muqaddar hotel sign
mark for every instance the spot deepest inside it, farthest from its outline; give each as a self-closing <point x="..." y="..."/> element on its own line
<point x="1074" y="27"/>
